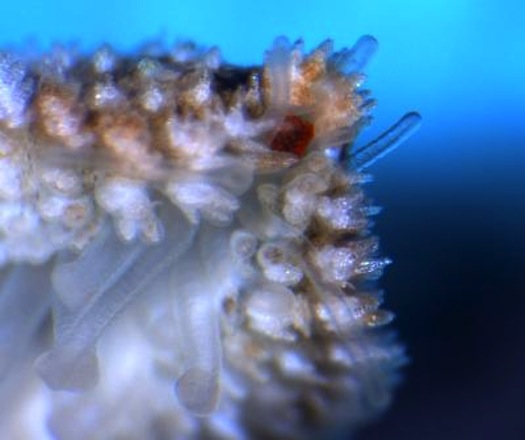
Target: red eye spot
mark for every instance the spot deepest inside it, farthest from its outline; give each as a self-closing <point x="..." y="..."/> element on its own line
<point x="293" y="135"/>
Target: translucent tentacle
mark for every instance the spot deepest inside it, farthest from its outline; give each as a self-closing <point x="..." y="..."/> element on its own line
<point x="197" y="316"/>
<point x="82" y="289"/>
<point x="80" y="282"/>
<point x="278" y="62"/>
<point x="198" y="387"/>
<point x="365" y="156"/>
<point x="24" y="304"/>
<point x="71" y="363"/>
<point x="354" y="60"/>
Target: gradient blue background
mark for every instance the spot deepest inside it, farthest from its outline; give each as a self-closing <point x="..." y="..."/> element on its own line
<point x="454" y="195"/>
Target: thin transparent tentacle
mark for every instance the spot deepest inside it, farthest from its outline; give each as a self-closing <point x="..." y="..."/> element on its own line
<point x="367" y="155"/>
<point x="71" y="363"/>
<point x="198" y="387"/>
<point x="354" y="60"/>
<point x="196" y="313"/>
<point x="278" y="61"/>
<point x="24" y="304"/>
<point x="80" y="282"/>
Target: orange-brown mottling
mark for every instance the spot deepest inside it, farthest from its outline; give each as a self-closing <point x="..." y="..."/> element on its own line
<point x="58" y="114"/>
<point x="338" y="106"/>
<point x="314" y="67"/>
<point x="310" y="71"/>
<point x="130" y="113"/>
<point x="126" y="136"/>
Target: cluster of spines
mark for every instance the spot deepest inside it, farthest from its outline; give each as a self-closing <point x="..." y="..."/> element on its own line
<point x="177" y="127"/>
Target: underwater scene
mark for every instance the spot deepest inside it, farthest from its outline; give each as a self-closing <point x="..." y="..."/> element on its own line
<point x="270" y="220"/>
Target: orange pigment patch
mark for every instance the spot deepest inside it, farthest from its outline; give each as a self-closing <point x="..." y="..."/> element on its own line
<point x="293" y="135"/>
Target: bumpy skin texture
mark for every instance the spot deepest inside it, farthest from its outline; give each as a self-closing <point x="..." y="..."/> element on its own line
<point x="193" y="232"/>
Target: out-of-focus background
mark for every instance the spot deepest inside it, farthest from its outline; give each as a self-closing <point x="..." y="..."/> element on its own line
<point x="454" y="195"/>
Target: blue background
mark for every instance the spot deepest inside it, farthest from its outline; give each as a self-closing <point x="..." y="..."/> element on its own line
<point x="454" y="195"/>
